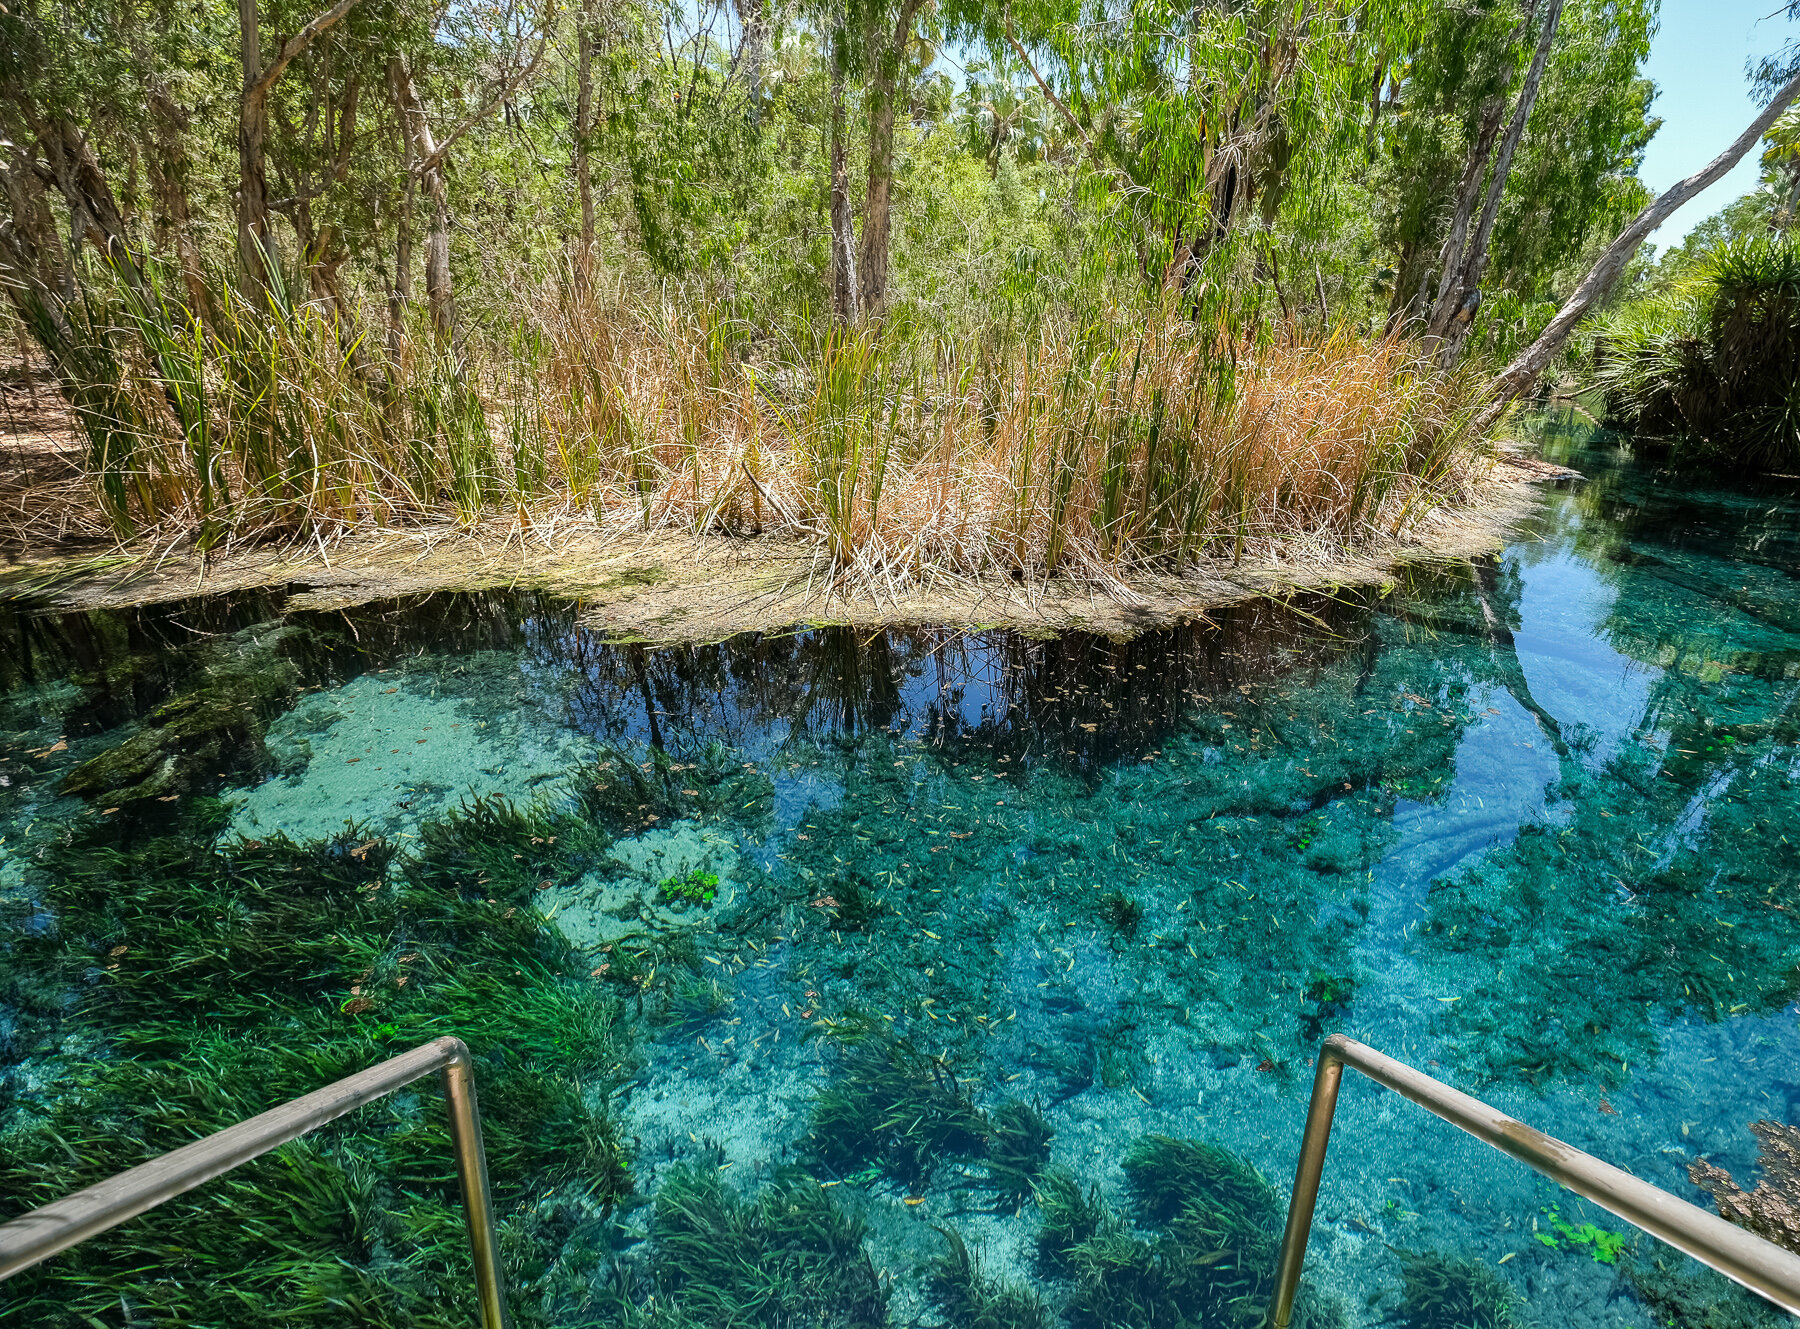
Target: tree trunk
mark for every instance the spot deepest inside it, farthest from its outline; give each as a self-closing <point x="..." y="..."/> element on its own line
<point x="438" y="294"/>
<point x="846" y="304"/>
<point x="1474" y="264"/>
<point x="400" y="294"/>
<point x="753" y="54"/>
<point x="1450" y="257"/>
<point x="169" y="171"/>
<point x="584" y="129"/>
<point x="878" y="198"/>
<point x="1523" y="371"/>
<point x="254" y="256"/>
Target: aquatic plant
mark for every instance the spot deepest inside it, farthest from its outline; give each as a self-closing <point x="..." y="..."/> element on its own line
<point x="691" y="1002"/>
<point x="1068" y="1217"/>
<point x="1772" y="1210"/>
<point x="894" y="1106"/>
<point x="966" y="1298"/>
<point x="212" y="723"/>
<point x="214" y="979"/>
<point x="786" y="1255"/>
<point x="627" y="790"/>
<point x="1121" y="912"/>
<point x="1679" y="1293"/>
<point x="1605" y="1246"/>
<point x="1210" y="1233"/>
<point x="1017" y="1149"/>
<point x="697" y="888"/>
<point x="1442" y="1291"/>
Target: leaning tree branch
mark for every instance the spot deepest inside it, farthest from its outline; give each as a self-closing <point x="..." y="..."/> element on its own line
<point x="293" y="46"/>
<point x="1524" y="370"/>
<point x="506" y="90"/>
<point x="1106" y="168"/>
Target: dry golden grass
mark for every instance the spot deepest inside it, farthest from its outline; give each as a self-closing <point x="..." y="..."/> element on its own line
<point x="1088" y="447"/>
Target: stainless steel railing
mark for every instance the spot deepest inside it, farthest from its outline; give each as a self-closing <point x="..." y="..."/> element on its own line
<point x="1759" y="1265"/>
<point x="61" y="1224"/>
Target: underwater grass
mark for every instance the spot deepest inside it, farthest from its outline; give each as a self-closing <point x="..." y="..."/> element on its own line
<point x="782" y="1256"/>
<point x="1442" y="1291"/>
<point x="1200" y="1248"/>
<point x="213" y="979"/>
<point x="966" y="1298"/>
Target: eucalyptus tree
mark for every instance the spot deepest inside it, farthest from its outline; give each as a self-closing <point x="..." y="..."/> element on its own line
<point x="1203" y="125"/>
<point x="1562" y="79"/>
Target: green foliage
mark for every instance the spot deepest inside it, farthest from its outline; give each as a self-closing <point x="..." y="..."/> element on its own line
<point x="786" y="1255"/>
<point x="1121" y="912"/>
<point x="1712" y="366"/>
<point x="1068" y="1218"/>
<point x="966" y="1298"/>
<point x="1018" y="1147"/>
<point x="1603" y="1245"/>
<point x="1202" y="1253"/>
<point x="697" y="888"/>
<point x="896" y="1107"/>
<point x="218" y="979"/>
<point x="1441" y="1291"/>
<point x="1680" y="1293"/>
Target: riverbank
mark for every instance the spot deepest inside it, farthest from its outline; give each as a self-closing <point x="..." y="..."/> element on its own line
<point x="666" y="586"/>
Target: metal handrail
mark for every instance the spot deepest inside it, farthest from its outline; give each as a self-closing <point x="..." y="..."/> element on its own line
<point x="1761" y="1266"/>
<point x="62" y="1223"/>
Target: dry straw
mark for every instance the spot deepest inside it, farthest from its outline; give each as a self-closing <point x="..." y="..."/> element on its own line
<point x="1088" y="446"/>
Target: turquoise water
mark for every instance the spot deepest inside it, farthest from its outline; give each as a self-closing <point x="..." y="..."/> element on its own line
<point x="1523" y="823"/>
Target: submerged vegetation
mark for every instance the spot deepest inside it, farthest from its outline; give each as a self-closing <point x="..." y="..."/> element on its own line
<point x="219" y="978"/>
<point x="1001" y="1011"/>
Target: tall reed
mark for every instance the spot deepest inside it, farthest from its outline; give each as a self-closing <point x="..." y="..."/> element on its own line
<point x="1095" y="443"/>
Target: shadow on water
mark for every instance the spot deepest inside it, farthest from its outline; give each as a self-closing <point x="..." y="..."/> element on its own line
<point x="804" y="950"/>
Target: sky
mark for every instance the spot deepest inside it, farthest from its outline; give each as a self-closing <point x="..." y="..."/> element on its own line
<point x="1697" y="62"/>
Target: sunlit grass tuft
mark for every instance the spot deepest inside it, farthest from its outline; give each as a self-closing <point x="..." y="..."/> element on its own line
<point x="1092" y="444"/>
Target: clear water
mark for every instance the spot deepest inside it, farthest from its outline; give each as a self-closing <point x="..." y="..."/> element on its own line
<point x="1524" y="824"/>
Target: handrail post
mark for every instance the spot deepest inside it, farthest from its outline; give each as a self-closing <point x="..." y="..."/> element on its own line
<point x="1320" y="1113"/>
<point x="471" y="1171"/>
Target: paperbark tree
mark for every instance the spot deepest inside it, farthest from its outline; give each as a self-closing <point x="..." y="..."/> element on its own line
<point x="255" y="253"/>
<point x="428" y="170"/>
<point x="584" y="131"/>
<point x="1518" y="376"/>
<point x="887" y="64"/>
<point x="846" y="303"/>
<point x="1452" y="316"/>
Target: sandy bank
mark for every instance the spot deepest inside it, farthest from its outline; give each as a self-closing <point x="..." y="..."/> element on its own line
<point x="664" y="586"/>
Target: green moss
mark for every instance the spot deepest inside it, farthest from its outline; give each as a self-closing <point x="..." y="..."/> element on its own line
<point x="214" y="726"/>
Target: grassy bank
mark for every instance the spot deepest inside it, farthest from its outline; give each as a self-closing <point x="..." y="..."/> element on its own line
<point x="1089" y="442"/>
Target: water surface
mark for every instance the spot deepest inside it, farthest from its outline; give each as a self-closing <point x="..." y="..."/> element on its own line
<point x="1523" y="823"/>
